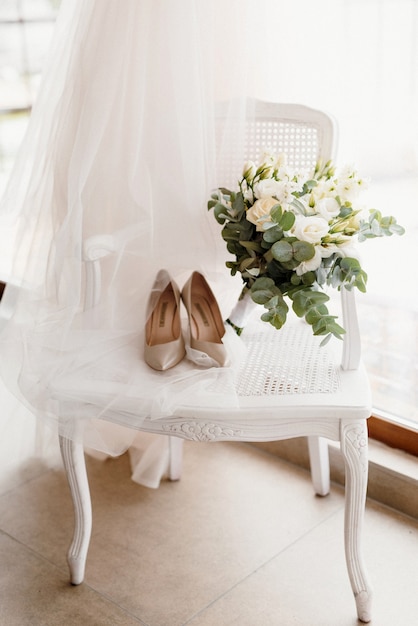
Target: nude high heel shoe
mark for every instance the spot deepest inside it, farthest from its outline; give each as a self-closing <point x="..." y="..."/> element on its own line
<point x="164" y="343"/>
<point x="205" y="320"/>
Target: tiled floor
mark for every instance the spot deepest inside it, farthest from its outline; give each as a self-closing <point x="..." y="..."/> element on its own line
<point x="241" y="540"/>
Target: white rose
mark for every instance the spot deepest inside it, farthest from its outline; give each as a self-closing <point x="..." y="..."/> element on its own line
<point x="310" y="228"/>
<point x="267" y="188"/>
<point x="327" y="208"/>
<point x="311" y="265"/>
<point x="259" y="213"/>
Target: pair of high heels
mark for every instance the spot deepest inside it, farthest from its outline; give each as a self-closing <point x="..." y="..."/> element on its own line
<point x="164" y="343"/>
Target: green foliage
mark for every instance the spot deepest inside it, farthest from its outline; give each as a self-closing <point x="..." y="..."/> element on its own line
<point x="277" y="259"/>
<point x="379" y="226"/>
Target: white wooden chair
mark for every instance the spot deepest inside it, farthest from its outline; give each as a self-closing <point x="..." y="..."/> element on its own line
<point x="289" y="386"/>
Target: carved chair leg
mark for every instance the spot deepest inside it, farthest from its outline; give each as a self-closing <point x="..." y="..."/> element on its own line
<point x="75" y="467"/>
<point x="354" y="450"/>
<point x="175" y="467"/>
<point x="319" y="460"/>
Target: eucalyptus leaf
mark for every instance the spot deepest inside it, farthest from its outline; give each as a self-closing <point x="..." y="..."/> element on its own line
<point x="282" y="251"/>
<point x="287" y="220"/>
<point x="299" y="206"/>
<point x="263" y="283"/>
<point x="276" y="213"/>
<point x="238" y="204"/>
<point x="308" y="278"/>
<point x="310" y="184"/>
<point x="246" y="263"/>
<point x="273" y="234"/>
<point x="261" y="296"/>
<point x="315" y="313"/>
<point x="220" y="212"/>
<point x="277" y="312"/>
<point x="345" y="211"/>
<point x="303" y="251"/>
<point x="251" y="245"/>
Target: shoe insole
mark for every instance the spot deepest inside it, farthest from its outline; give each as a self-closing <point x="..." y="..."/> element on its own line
<point x="203" y="320"/>
<point x="164" y="323"/>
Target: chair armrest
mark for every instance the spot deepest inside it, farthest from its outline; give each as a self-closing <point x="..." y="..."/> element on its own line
<point x="95" y="248"/>
<point x="352" y="343"/>
<point x="98" y="246"/>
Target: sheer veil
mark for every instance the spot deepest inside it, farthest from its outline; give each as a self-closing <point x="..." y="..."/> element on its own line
<point x="118" y="162"/>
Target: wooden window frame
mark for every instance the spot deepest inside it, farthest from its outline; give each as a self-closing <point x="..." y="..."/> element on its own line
<point x="395" y="435"/>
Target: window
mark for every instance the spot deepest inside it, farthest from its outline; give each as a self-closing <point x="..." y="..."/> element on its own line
<point x="25" y="30"/>
<point x="360" y="63"/>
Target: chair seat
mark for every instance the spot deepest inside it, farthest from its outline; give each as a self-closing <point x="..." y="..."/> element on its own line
<point x="286" y="370"/>
<point x="270" y="405"/>
<point x="283" y="375"/>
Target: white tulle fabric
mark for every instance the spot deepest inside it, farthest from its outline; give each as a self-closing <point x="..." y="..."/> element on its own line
<point x="121" y="148"/>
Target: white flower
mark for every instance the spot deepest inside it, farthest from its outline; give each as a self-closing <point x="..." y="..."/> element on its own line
<point x="259" y="213"/>
<point x="281" y="189"/>
<point x="311" y="228"/>
<point x="311" y="265"/>
<point x="348" y="184"/>
<point x="323" y="189"/>
<point x="355" y="220"/>
<point x="248" y="194"/>
<point x="327" y="208"/>
<point x="348" y="248"/>
<point x="267" y="188"/>
<point x="327" y="250"/>
<point x="249" y="170"/>
<point x="307" y="209"/>
<point x="280" y="160"/>
<point x="268" y="158"/>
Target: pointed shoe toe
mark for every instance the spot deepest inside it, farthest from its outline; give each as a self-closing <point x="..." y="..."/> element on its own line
<point x="164" y="344"/>
<point x="205" y="319"/>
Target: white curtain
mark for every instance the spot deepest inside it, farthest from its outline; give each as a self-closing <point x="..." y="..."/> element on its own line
<point x="357" y="59"/>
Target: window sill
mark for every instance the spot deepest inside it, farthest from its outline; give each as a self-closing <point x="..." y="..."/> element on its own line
<point x="393" y="474"/>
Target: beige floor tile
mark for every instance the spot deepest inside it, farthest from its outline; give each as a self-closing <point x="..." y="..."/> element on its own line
<point x="190" y="541"/>
<point x="240" y="540"/>
<point x="35" y="593"/>
<point x="307" y="584"/>
<point x="39" y="515"/>
<point x="165" y="554"/>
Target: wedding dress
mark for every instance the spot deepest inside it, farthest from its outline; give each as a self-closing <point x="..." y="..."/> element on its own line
<point x="122" y="147"/>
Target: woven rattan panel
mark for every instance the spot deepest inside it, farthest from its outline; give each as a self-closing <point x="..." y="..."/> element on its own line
<point x="299" y="141"/>
<point x="286" y="361"/>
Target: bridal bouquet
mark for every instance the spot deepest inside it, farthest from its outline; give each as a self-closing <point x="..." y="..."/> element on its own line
<point x="294" y="233"/>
